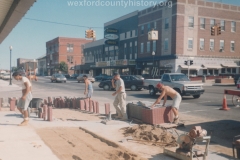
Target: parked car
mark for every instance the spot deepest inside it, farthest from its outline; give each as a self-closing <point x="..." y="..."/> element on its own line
<point x="80" y="78"/>
<point x="178" y="82"/>
<point x="131" y="82"/>
<point x="74" y="76"/>
<point x="6" y="76"/>
<point x="139" y="76"/>
<point x="102" y="77"/>
<point x="236" y="77"/>
<point x="57" y="77"/>
<point x="67" y="76"/>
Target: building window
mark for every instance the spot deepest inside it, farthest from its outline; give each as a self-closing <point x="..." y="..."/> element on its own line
<point x="69" y="47"/>
<point x="142" y="47"/>
<point x="125" y="34"/>
<point x="190" y="21"/>
<point x="234" y="70"/>
<point x="223" y="70"/>
<point x="149" y="26"/>
<point x="155" y="25"/>
<point x="135" y="56"/>
<point x="201" y="44"/>
<point x="190" y="43"/>
<point x="233" y="26"/>
<point x="125" y="56"/>
<point x="166" y="44"/>
<point x="212" y="23"/>
<point x="154" y="46"/>
<point x="211" y="44"/>
<point x="222" y="24"/>
<point x="221" y="45"/>
<point x="166" y="23"/>
<point x="130" y="33"/>
<point x="136" y="32"/>
<point x="148" y="47"/>
<point x="130" y="56"/>
<point x="202" y="23"/>
<point x="142" y="29"/>
<point x="232" y="46"/>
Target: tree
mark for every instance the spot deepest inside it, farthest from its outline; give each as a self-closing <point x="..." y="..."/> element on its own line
<point x="63" y="67"/>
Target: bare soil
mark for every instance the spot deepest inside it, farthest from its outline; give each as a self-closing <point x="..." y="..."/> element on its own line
<point x="76" y="144"/>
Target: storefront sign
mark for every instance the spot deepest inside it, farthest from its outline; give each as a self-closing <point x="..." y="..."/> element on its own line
<point x="101" y="64"/>
<point x="92" y="65"/>
<point x="121" y="62"/>
<point x="131" y="62"/>
<point x="149" y="64"/>
<point x="111" y="42"/>
<point x="111" y="36"/>
<point x="111" y="30"/>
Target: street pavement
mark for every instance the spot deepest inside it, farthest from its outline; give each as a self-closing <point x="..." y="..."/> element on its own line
<point x="207" y="106"/>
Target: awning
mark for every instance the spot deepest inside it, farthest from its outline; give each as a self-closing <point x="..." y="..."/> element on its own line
<point x="190" y="67"/>
<point x="230" y="65"/>
<point x="212" y="66"/>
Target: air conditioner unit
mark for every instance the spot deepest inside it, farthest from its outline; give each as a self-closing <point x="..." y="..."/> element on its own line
<point x="220" y="50"/>
<point x="201" y="48"/>
<point x="211" y="49"/>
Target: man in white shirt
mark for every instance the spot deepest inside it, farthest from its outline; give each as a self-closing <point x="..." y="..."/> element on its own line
<point x="26" y="96"/>
<point x="120" y="98"/>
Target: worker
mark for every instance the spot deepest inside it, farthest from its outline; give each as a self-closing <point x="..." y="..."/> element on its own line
<point x="26" y="96"/>
<point x="88" y="88"/>
<point x="120" y="98"/>
<point x="176" y="97"/>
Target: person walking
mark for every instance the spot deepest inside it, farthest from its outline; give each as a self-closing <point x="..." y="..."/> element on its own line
<point x="176" y="97"/>
<point x="26" y="96"/>
<point x="88" y="88"/>
<point x="120" y="98"/>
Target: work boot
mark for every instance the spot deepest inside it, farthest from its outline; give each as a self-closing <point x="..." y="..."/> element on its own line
<point x="176" y="120"/>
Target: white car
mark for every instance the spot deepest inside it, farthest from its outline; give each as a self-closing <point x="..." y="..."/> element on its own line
<point x="6" y="76"/>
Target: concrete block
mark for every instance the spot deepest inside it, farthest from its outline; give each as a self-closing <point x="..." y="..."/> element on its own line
<point x="107" y="108"/>
<point x="86" y="104"/>
<point x="91" y="106"/>
<point x="49" y="113"/>
<point x="45" y="112"/>
<point x="157" y="115"/>
<point x="82" y="105"/>
<point x="1" y="103"/>
<point x="97" y="107"/>
<point x="12" y="104"/>
<point x="94" y="106"/>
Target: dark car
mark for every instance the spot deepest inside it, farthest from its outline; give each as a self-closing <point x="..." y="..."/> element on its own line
<point x="58" y="78"/>
<point x="74" y="76"/>
<point x="236" y="76"/>
<point x="102" y="77"/>
<point x="67" y="75"/>
<point x="131" y="82"/>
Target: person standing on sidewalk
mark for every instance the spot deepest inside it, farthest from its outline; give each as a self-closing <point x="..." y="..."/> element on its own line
<point x="176" y="97"/>
<point x="26" y="96"/>
<point x="120" y="98"/>
<point x="88" y="88"/>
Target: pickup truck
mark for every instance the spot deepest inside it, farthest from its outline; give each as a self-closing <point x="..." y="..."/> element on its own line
<point x="177" y="81"/>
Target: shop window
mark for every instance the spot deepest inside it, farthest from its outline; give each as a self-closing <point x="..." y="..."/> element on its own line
<point x="234" y="70"/>
<point x="204" y="72"/>
<point x="228" y="70"/>
<point x="223" y="70"/>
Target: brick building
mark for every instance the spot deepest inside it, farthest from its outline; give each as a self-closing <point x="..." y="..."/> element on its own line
<point x="62" y="49"/>
<point x="184" y="31"/>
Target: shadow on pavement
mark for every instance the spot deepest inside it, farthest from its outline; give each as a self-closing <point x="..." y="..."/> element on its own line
<point x="14" y="115"/>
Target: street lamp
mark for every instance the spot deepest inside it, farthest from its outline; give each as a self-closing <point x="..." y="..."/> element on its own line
<point x="153" y="54"/>
<point x="10" y="83"/>
<point x="110" y="65"/>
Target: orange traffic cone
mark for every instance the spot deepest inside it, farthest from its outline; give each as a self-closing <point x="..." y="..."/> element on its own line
<point x="224" y="105"/>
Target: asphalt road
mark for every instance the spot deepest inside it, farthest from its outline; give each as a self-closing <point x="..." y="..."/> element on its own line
<point x="206" y="106"/>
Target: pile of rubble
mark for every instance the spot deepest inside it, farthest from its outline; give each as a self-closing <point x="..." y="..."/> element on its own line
<point x="151" y="135"/>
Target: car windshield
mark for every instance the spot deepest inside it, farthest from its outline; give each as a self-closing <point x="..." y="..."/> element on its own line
<point x="60" y="75"/>
<point x="179" y="78"/>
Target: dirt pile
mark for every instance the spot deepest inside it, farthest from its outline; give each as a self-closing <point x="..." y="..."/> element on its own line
<point x="151" y="134"/>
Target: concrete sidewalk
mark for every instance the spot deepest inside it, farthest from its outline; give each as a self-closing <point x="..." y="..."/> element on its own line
<point x="21" y="142"/>
<point x="4" y="86"/>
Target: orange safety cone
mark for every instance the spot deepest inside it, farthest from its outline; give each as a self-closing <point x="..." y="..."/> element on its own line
<point x="224" y="105"/>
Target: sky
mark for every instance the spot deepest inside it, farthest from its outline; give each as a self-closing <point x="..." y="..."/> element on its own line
<point x="30" y="35"/>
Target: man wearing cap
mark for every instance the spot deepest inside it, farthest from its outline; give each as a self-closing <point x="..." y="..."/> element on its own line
<point x="120" y="98"/>
<point x="176" y="97"/>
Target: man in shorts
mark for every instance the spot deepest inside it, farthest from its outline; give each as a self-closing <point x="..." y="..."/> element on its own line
<point x="26" y="96"/>
<point x="176" y="97"/>
<point x="88" y="88"/>
<point x="120" y="98"/>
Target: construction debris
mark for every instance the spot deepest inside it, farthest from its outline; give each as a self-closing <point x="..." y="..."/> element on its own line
<point x="151" y="135"/>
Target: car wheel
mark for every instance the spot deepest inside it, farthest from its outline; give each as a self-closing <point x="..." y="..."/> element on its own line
<point x="152" y="91"/>
<point x="133" y="87"/>
<point x="78" y="81"/>
<point x="196" y="96"/>
<point x="106" y="87"/>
